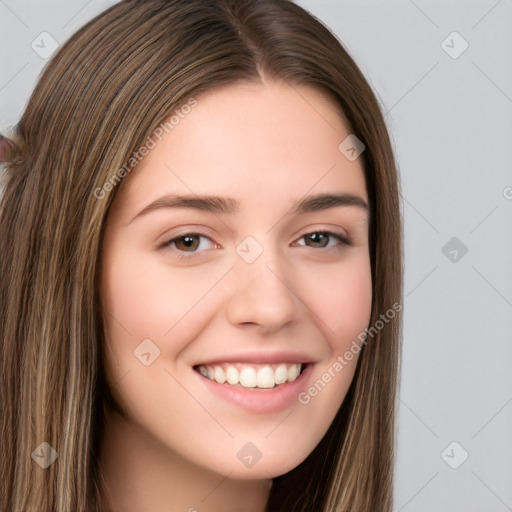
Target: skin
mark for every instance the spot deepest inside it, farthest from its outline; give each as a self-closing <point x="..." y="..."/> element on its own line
<point x="268" y="146"/>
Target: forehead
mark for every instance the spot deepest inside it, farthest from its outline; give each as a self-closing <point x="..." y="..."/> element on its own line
<point x="253" y="142"/>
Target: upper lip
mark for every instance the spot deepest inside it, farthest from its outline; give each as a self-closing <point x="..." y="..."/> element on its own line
<point x="259" y="357"/>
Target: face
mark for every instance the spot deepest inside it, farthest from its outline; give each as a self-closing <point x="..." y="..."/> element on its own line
<point x="235" y="276"/>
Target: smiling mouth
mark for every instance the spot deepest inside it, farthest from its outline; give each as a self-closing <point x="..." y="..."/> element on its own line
<point x="252" y="376"/>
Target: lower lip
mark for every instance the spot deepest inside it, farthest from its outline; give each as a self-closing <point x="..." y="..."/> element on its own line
<point x="261" y="401"/>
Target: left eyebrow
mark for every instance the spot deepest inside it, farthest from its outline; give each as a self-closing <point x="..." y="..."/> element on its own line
<point x="320" y="202"/>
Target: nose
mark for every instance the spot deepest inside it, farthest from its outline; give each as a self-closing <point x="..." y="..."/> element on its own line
<point x="263" y="295"/>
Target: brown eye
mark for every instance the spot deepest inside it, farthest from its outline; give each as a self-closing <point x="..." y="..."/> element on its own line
<point x="317" y="239"/>
<point x="187" y="243"/>
<point x="323" y="240"/>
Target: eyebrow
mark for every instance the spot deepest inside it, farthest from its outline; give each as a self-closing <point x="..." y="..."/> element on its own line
<point x="229" y="206"/>
<point x="325" y="201"/>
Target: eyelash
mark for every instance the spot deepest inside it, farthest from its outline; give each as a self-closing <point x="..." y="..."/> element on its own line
<point x="192" y="254"/>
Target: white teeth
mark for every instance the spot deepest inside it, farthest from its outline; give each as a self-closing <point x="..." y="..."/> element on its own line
<point x="232" y="375"/>
<point x="293" y="372"/>
<point x="248" y="378"/>
<point x="264" y="377"/>
<point x="220" y="376"/>
<point x="281" y="374"/>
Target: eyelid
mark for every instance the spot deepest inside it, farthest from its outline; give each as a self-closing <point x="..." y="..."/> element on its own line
<point x="185" y="229"/>
<point x="166" y="244"/>
<point x="342" y="239"/>
<point x="328" y="229"/>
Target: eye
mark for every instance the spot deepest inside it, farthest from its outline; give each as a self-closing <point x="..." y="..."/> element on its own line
<point x="190" y="243"/>
<point x="323" y="240"/>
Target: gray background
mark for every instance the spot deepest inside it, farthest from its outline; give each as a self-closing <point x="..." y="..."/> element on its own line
<point x="450" y="117"/>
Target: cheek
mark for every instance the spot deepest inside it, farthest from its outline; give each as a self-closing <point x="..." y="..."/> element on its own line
<point x="144" y="299"/>
<point x="342" y="306"/>
<point x="350" y="307"/>
<point x="341" y="298"/>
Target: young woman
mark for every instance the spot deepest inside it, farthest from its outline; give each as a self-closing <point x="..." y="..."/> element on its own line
<point x="201" y="270"/>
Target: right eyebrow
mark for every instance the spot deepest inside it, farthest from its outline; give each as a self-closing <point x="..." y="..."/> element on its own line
<point x="213" y="204"/>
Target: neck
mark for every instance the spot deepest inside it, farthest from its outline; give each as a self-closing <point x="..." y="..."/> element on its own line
<point x="139" y="473"/>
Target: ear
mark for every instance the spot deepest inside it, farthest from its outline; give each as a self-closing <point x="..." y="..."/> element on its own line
<point x="8" y="150"/>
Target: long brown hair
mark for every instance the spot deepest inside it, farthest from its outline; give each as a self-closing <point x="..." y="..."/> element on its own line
<point x="106" y="89"/>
